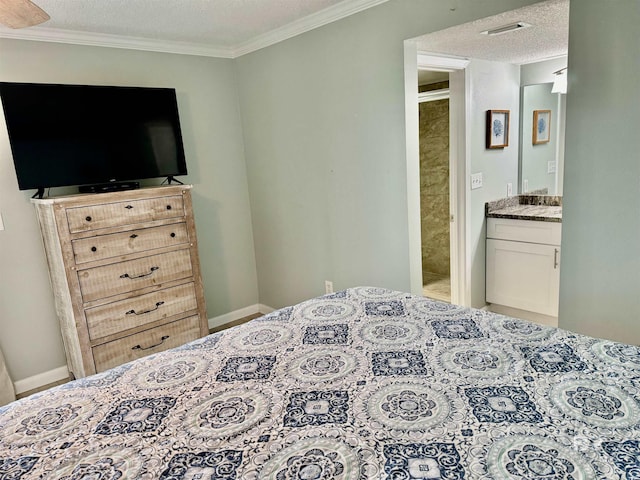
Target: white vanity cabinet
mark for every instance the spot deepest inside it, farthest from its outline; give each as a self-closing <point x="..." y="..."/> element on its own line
<point x="523" y="265"/>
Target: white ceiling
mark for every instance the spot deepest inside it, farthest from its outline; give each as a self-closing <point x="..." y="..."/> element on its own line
<point x="220" y="28"/>
<point x="230" y="28"/>
<point x="548" y="36"/>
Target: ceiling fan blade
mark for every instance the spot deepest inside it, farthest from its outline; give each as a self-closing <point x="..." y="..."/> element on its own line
<point x="21" y="13"/>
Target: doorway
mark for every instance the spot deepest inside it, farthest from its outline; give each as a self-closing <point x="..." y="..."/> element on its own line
<point x="460" y="256"/>
<point x="435" y="217"/>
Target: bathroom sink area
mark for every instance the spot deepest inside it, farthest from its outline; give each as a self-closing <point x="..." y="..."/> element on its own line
<point x="523" y="257"/>
<point x="543" y="208"/>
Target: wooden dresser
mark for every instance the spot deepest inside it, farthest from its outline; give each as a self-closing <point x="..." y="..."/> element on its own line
<point x="125" y="274"/>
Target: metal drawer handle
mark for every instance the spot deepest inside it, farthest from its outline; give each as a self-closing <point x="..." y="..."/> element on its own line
<point x="555" y="257"/>
<point x="151" y="270"/>
<point x="129" y="207"/>
<point x="138" y="347"/>
<point x="133" y="312"/>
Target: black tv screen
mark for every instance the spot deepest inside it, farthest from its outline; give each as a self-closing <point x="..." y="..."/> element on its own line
<point x="63" y="135"/>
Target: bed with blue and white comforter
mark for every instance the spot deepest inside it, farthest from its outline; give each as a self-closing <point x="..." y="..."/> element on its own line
<point x="361" y="384"/>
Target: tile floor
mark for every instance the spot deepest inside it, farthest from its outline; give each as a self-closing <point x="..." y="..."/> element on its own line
<point x="436" y="286"/>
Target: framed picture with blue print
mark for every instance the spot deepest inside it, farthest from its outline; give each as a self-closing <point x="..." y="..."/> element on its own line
<point x="541" y="126"/>
<point x="497" y="128"/>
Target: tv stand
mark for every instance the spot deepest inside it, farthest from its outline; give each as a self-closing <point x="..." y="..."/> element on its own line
<point x="39" y="193"/>
<point x="95" y="246"/>
<point x="171" y="179"/>
<point x="109" y="187"/>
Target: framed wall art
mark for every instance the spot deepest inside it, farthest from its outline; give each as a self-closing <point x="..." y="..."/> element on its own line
<point x="541" y="126"/>
<point x="497" y="128"/>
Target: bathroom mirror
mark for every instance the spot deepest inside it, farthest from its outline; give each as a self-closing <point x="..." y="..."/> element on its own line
<point x="542" y="125"/>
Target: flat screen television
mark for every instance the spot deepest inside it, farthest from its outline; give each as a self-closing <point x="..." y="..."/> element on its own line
<point x="65" y="135"/>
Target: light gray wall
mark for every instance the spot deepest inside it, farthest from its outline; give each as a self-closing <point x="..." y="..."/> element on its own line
<point x="600" y="273"/>
<point x="494" y="86"/>
<point x="209" y="112"/>
<point x="323" y="119"/>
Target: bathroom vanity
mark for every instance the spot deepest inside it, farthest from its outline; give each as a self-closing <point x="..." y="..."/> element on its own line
<point x="523" y="257"/>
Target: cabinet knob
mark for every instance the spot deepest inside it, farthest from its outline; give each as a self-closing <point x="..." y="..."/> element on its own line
<point x="88" y="219"/>
<point x="133" y="235"/>
<point x="94" y="249"/>
<point x="168" y="207"/>
<point x="172" y="235"/>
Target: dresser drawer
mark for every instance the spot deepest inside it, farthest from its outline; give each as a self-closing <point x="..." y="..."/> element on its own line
<point x="116" y="278"/>
<point x="95" y="217"/>
<point x="134" y="312"/>
<point x="133" y="241"/>
<point x="164" y="337"/>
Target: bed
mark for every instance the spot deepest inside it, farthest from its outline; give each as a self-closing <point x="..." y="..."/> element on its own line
<point x="365" y="383"/>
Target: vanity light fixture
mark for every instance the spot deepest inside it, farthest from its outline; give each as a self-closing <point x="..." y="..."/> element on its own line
<point x="512" y="27"/>
<point x="560" y="82"/>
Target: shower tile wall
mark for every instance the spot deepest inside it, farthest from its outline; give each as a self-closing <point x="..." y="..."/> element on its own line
<point x="434" y="187"/>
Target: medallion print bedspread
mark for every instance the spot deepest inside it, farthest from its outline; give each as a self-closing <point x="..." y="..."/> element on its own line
<point x="362" y="384"/>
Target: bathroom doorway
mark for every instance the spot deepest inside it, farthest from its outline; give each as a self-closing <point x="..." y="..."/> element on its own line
<point x="435" y="216"/>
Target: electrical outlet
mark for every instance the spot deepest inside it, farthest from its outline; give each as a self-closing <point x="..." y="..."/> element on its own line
<point x="509" y="189"/>
<point x="476" y="180"/>
<point x="525" y="185"/>
<point x="328" y="286"/>
<point x="551" y="166"/>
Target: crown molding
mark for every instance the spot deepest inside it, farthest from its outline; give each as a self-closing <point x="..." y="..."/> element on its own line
<point x="441" y="63"/>
<point x="310" y="22"/>
<point x="116" y="41"/>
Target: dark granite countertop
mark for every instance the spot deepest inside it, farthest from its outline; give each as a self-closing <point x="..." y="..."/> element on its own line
<point x="541" y="208"/>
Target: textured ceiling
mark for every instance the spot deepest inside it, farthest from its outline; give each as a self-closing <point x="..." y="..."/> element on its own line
<point x="230" y="28"/>
<point x="547" y="37"/>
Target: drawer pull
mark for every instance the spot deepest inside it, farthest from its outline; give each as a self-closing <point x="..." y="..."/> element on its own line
<point x="94" y="249"/>
<point x="151" y="270"/>
<point x="129" y="207"/>
<point x="172" y="235"/>
<point x="555" y="257"/>
<point x="88" y="219"/>
<point x="138" y="347"/>
<point x="133" y="235"/>
<point x="133" y="312"/>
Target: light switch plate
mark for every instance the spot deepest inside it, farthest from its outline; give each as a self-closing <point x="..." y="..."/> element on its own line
<point x="476" y="180"/>
<point x="1" y="223"/>
<point x="551" y="166"/>
<point x="509" y="189"/>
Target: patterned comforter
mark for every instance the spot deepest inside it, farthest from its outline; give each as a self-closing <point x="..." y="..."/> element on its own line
<point x="362" y="384"/>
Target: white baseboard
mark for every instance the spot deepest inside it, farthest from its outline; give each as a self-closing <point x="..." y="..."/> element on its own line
<point x="524" y="315"/>
<point x="238" y="314"/>
<point x="266" y="309"/>
<point x="61" y="373"/>
<point x="41" y="379"/>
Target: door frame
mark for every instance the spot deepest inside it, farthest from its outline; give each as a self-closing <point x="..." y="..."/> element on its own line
<point x="459" y="160"/>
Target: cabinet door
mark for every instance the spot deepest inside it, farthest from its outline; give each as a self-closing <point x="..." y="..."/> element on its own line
<point x="523" y="275"/>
